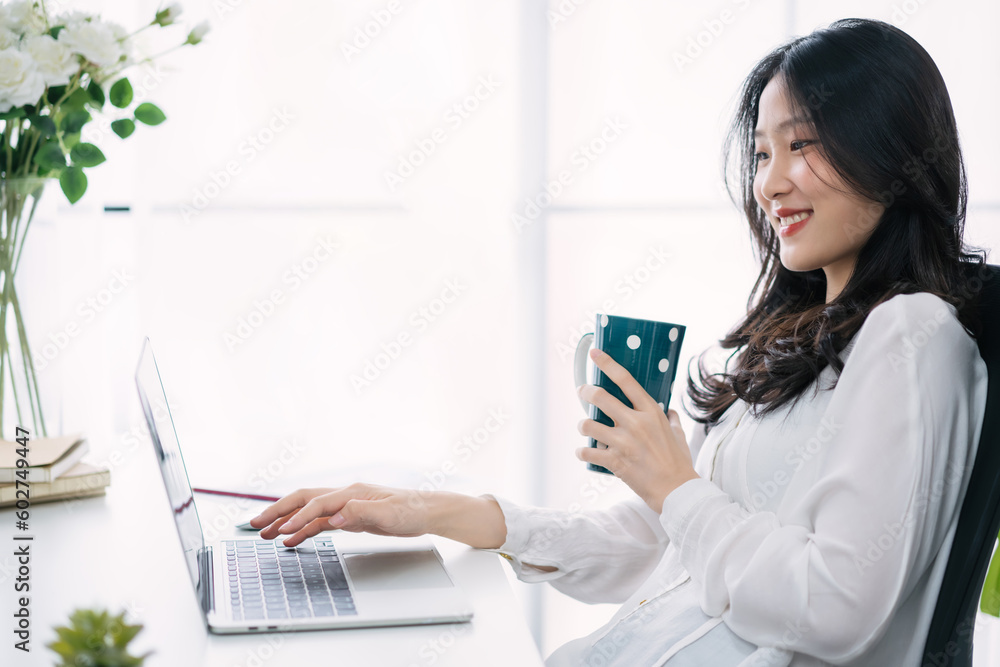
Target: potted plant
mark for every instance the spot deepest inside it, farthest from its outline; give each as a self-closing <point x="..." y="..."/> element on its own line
<point x="96" y="639"/>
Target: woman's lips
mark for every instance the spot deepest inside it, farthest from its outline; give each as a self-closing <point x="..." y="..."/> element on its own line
<point x="788" y="230"/>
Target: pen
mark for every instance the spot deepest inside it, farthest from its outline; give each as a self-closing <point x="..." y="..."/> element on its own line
<point x="234" y="494"/>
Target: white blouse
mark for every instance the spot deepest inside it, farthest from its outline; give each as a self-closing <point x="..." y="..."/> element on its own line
<point x="815" y="535"/>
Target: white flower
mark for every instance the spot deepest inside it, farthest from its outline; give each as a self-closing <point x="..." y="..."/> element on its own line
<point x="94" y="40"/>
<point x="20" y="81"/>
<point x="198" y="33"/>
<point x="21" y="17"/>
<point x="73" y="17"/>
<point x="8" y="38"/>
<point x="54" y="60"/>
<point x="169" y="15"/>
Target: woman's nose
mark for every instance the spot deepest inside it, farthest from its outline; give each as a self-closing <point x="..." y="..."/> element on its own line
<point x="773" y="179"/>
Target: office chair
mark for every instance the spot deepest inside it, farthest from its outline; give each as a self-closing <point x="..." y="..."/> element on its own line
<point x="949" y="640"/>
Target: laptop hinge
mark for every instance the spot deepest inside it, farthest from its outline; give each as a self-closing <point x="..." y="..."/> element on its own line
<point x="206" y="581"/>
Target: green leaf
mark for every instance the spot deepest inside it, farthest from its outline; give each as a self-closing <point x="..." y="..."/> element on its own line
<point x="990" y="602"/>
<point x="123" y="128"/>
<point x="86" y="155"/>
<point x="96" y="94"/>
<point x="78" y="99"/>
<point x="74" y="121"/>
<point x="55" y="30"/>
<point x="125" y="635"/>
<point x="121" y="93"/>
<point x="149" y="114"/>
<point x="50" y="156"/>
<point x="44" y="124"/>
<point x="55" y="94"/>
<point x="73" y="183"/>
<point x="16" y="112"/>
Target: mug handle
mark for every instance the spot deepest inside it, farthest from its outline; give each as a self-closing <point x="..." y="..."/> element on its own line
<point x="580" y="365"/>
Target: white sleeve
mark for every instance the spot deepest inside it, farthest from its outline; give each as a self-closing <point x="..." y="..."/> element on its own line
<point x="599" y="555"/>
<point x="862" y="519"/>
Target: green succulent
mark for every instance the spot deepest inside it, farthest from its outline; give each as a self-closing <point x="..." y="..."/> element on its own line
<point x="96" y="639"/>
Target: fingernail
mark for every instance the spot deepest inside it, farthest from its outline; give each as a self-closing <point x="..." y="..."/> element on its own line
<point x="287" y="528"/>
<point x="337" y="520"/>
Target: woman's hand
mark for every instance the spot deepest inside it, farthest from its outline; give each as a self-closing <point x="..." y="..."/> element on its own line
<point x="355" y="508"/>
<point x="646" y="448"/>
<point x="382" y="510"/>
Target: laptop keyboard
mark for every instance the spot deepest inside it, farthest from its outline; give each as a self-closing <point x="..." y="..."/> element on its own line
<point x="270" y="581"/>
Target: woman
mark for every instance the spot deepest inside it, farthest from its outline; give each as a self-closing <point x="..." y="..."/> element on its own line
<point x="809" y="520"/>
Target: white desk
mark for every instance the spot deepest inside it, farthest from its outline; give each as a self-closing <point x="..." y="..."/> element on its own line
<point x="92" y="553"/>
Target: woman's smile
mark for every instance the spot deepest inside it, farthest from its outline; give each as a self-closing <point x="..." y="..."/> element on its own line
<point x="788" y="221"/>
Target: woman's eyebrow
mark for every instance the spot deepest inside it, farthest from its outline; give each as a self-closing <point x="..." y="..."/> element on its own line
<point x="784" y="125"/>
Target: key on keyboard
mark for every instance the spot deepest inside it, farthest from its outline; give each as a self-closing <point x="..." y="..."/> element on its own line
<point x="270" y="581"/>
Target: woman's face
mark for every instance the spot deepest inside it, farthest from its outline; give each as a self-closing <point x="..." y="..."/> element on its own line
<point x="818" y="225"/>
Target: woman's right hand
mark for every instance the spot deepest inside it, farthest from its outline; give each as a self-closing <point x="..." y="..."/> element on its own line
<point x="356" y="508"/>
<point x="369" y="508"/>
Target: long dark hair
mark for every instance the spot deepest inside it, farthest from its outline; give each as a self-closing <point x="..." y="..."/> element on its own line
<point x="884" y="122"/>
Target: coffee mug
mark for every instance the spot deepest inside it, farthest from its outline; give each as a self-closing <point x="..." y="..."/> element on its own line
<point x="646" y="349"/>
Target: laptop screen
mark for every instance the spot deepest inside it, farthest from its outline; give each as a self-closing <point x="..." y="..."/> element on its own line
<point x="168" y="455"/>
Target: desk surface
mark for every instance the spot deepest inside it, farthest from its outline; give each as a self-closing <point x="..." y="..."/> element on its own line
<point x="121" y="552"/>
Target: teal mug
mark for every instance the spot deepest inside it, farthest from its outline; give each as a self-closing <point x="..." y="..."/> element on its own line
<point x="648" y="350"/>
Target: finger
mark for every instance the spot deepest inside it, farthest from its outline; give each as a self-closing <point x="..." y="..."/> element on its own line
<point x="599" y="457"/>
<point x="325" y="505"/>
<point x="270" y="532"/>
<point x="311" y="529"/>
<point x="602" y="433"/>
<point x="283" y="507"/>
<point x="604" y="401"/>
<point x="617" y="373"/>
<point x="328" y="504"/>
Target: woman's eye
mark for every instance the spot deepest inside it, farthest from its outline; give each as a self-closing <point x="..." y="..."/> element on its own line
<point x="800" y="144"/>
<point x="759" y="155"/>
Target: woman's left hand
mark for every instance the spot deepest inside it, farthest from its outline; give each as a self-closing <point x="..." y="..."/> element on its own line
<point x="646" y="448"/>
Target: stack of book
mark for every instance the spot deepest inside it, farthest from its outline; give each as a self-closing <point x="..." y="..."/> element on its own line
<point x="55" y="471"/>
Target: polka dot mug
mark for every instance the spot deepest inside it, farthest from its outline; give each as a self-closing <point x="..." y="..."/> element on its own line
<point x="648" y="350"/>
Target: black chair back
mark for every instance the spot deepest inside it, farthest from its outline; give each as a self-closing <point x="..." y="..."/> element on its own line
<point x="949" y="640"/>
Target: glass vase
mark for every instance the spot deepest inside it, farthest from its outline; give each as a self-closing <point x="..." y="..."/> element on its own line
<point x="19" y="198"/>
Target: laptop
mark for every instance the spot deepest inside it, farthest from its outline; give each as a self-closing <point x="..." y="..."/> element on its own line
<point x="255" y="585"/>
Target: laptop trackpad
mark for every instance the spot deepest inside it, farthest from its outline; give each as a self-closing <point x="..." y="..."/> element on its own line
<point x="395" y="570"/>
